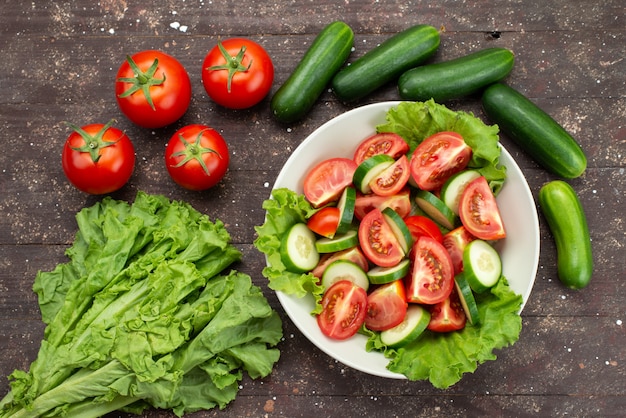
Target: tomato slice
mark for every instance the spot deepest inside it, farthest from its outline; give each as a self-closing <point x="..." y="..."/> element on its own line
<point x="423" y="226"/>
<point x="392" y="179"/>
<point x="344" y="306"/>
<point x="400" y="202"/>
<point x="437" y="158"/>
<point x="353" y="254"/>
<point x="479" y="211"/>
<point x="432" y="277"/>
<point x="386" y="306"/>
<point x="447" y="315"/>
<point x="326" y="181"/>
<point x="377" y="240"/>
<point x="381" y="143"/>
<point x="324" y="222"/>
<point x="455" y="242"/>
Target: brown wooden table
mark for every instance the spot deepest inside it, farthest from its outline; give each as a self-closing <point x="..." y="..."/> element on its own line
<point x="58" y="62"/>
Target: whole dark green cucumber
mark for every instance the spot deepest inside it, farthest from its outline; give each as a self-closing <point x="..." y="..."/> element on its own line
<point x="456" y="78"/>
<point x="328" y="52"/>
<point x="534" y="131"/>
<point x="562" y="209"/>
<point x="386" y="62"/>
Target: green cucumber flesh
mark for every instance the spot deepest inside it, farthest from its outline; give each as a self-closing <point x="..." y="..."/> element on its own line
<point x="453" y="188"/>
<point x="482" y="265"/>
<point x="414" y="324"/>
<point x="297" y="250"/>
<point x="466" y="296"/>
<point x="338" y="242"/>
<point x="344" y="270"/>
<point x="399" y="228"/>
<point x="370" y="169"/>
<point x="346" y="205"/>
<point x="382" y="275"/>
<point x="436" y="209"/>
<point x="456" y="78"/>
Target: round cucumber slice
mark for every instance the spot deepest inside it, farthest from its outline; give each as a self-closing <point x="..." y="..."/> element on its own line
<point x="436" y="209"/>
<point x="466" y="297"/>
<point x="338" y="243"/>
<point x="297" y="249"/>
<point x="453" y="188"/>
<point x="482" y="265"/>
<point x="382" y="275"/>
<point x="344" y="270"/>
<point x="415" y="322"/>
<point x="370" y="169"/>
<point x="399" y="228"/>
<point x="346" y="204"/>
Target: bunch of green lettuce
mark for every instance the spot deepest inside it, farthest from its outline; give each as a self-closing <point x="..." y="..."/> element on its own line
<point x="440" y="358"/>
<point x="144" y="316"/>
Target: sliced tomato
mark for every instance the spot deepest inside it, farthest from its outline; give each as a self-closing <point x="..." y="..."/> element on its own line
<point x="325" y="182"/>
<point x="479" y="211"/>
<point x="437" y="158"/>
<point x="377" y="240"/>
<point x="324" y="222"/>
<point x="455" y="242"/>
<point x="353" y="254"/>
<point x="344" y="306"/>
<point x="381" y="143"/>
<point x="423" y="226"/>
<point x="447" y="315"/>
<point x="392" y="179"/>
<point x="432" y="274"/>
<point x="400" y="202"/>
<point x="386" y="306"/>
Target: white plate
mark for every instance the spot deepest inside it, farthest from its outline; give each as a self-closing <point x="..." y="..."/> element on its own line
<point x="339" y="138"/>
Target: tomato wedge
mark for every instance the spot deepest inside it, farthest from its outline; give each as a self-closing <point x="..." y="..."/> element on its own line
<point x="447" y="315"/>
<point x="324" y="222"/>
<point x="344" y="306"/>
<point x="400" y="202"/>
<point x="326" y="181"/>
<point x="386" y="306"/>
<point x="455" y="242"/>
<point x="437" y="158"/>
<point x="377" y="240"/>
<point x="392" y="179"/>
<point x="479" y="211"/>
<point x="423" y="226"/>
<point x="432" y="277"/>
<point x="387" y="143"/>
<point x="353" y="254"/>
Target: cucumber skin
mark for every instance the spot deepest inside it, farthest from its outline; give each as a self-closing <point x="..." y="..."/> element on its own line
<point x="536" y="132"/>
<point x="328" y="52"/>
<point x="386" y="62"/>
<point x="456" y="78"/>
<point x="565" y="216"/>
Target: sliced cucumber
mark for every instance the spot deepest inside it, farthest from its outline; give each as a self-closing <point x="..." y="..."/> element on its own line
<point x="297" y="249"/>
<point x="344" y="270"/>
<point x="346" y="204"/>
<point x="466" y="296"/>
<point x="382" y="275"/>
<point x="482" y="265"/>
<point x="338" y="243"/>
<point x="399" y="228"/>
<point x="454" y="186"/>
<point x="436" y="209"/>
<point x="370" y="169"/>
<point x="415" y="322"/>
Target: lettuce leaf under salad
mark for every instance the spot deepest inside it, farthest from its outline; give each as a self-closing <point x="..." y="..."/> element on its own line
<point x="440" y="358"/>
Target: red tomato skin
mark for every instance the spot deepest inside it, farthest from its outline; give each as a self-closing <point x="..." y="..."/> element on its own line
<point x="455" y="242"/>
<point x="325" y="182"/>
<point x="324" y="222"/>
<point x="437" y="158"/>
<point x="191" y="175"/>
<point x="479" y="211"/>
<point x="400" y="202"/>
<point x="386" y="306"/>
<point x="344" y="306"/>
<point x="393" y="179"/>
<point x="171" y="99"/>
<point x="432" y="275"/>
<point x="247" y="87"/>
<point x="423" y="226"/>
<point x="447" y="315"/>
<point x="112" y="170"/>
<point x="381" y="143"/>
<point x="377" y="240"/>
<point x="353" y="254"/>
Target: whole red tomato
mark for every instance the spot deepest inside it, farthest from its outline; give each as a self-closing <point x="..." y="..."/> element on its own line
<point x="197" y="157"/>
<point x="97" y="158"/>
<point x="152" y="89"/>
<point x="237" y="73"/>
